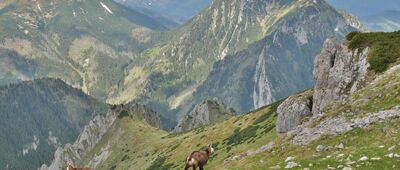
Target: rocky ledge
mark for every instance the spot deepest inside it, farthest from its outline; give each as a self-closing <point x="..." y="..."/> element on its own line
<point x="207" y="112"/>
<point x="91" y="135"/>
<point x="339" y="125"/>
<point x="338" y="73"/>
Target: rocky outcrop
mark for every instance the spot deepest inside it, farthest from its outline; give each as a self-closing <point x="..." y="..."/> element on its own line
<point x="263" y="148"/>
<point x="141" y="110"/>
<point x="87" y="140"/>
<point x="293" y="111"/>
<point x="202" y="114"/>
<point x="99" y="158"/>
<point x="94" y="131"/>
<point x="339" y="125"/>
<point x="338" y="73"/>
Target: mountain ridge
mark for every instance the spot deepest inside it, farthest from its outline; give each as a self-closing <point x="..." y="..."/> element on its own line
<point x="46" y="111"/>
<point x="278" y="65"/>
<point x="315" y="140"/>
<point x="185" y="64"/>
<point x="52" y="38"/>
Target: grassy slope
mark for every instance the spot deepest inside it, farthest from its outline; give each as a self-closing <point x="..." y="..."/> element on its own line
<point x="257" y="129"/>
<point x="359" y="142"/>
<point x="145" y="146"/>
<point x="385" y="49"/>
<point x="141" y="147"/>
<point x="135" y="145"/>
<point x="81" y="38"/>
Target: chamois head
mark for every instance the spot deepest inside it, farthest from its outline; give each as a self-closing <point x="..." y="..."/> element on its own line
<point x="210" y="148"/>
<point x="69" y="166"/>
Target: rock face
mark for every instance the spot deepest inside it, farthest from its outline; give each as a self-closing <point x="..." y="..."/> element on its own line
<point x="94" y="131"/>
<point x="141" y="110"/>
<point x="281" y="63"/>
<point x="62" y="54"/>
<point x="37" y="117"/>
<point x="87" y="140"/>
<point x="340" y="125"/>
<point x="202" y="114"/>
<point x="250" y="153"/>
<point x="338" y="73"/>
<point x="292" y="111"/>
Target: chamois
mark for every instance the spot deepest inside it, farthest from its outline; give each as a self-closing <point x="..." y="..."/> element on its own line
<point x="199" y="158"/>
<point x="70" y="167"/>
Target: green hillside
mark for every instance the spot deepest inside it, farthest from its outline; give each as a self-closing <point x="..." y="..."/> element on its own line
<point x="134" y="144"/>
<point x="89" y="44"/>
<point x="278" y="65"/>
<point x="183" y="10"/>
<point x="117" y="55"/>
<point x="385" y="52"/>
<point x="137" y="145"/>
<point x="216" y="54"/>
<point x="38" y="116"/>
<point x="250" y="141"/>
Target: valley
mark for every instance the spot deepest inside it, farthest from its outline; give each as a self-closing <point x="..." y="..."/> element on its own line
<point x="357" y="130"/>
<point x="288" y="84"/>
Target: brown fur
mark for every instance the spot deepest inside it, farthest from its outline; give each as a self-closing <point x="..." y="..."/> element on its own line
<point x="199" y="158"/>
<point x="70" y="167"/>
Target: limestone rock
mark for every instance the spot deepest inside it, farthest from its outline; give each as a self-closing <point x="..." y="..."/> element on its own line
<point x="202" y="114"/>
<point x="364" y="158"/>
<point x="321" y="148"/>
<point x="250" y="153"/>
<point x="141" y="110"/>
<point x="87" y="140"/>
<point x="289" y="159"/>
<point x="292" y="111"/>
<point x="339" y="125"/>
<point x="340" y="146"/>
<point x="338" y="73"/>
<point x="291" y="165"/>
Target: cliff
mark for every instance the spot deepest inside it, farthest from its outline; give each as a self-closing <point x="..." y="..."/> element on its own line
<point x="338" y="73"/>
<point x="281" y="63"/>
<point x="87" y="140"/>
<point x="293" y="111"/>
<point x="144" y="112"/>
<point x="37" y="117"/>
<point x="209" y="111"/>
<point x="94" y="132"/>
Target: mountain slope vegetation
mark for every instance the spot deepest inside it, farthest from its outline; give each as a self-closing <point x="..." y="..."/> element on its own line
<point x="355" y="137"/>
<point x="182" y="10"/>
<point x="39" y="116"/>
<point x="118" y="55"/>
<point x="279" y="64"/>
<point x="244" y="32"/>
<point x="88" y="44"/>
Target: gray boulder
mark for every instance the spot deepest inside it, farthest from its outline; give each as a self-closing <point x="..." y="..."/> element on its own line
<point x="207" y="112"/>
<point x="338" y="73"/>
<point x="292" y="111"/>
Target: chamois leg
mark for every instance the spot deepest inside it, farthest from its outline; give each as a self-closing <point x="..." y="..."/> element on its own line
<point x="194" y="167"/>
<point x="201" y="168"/>
<point x="187" y="166"/>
